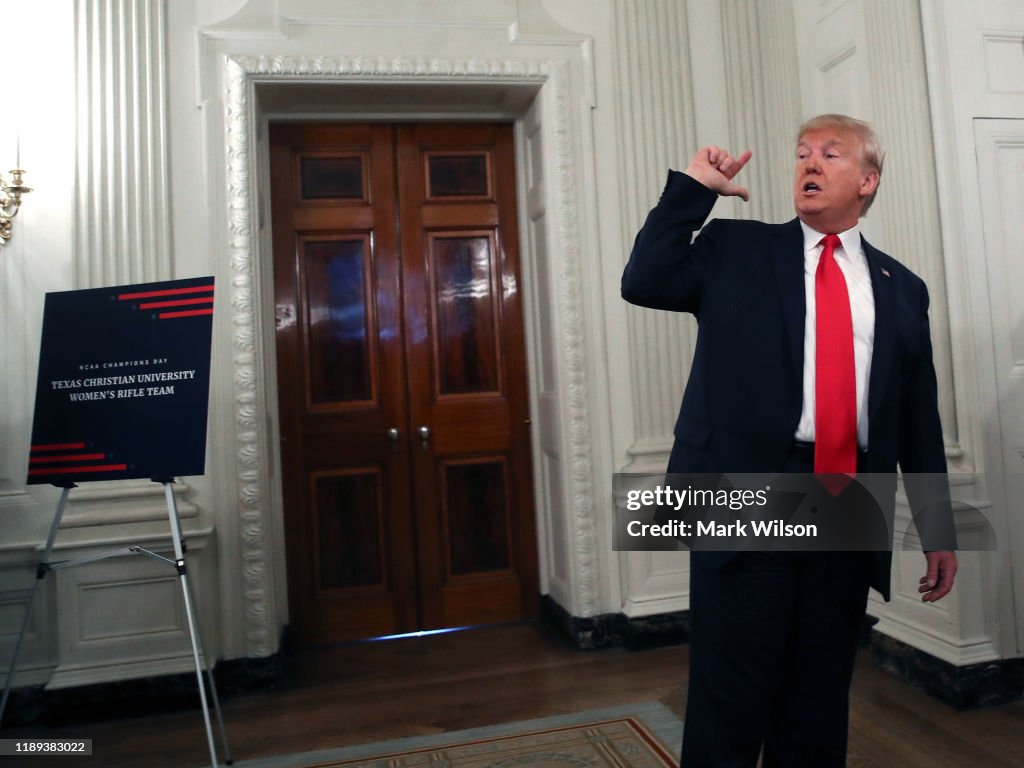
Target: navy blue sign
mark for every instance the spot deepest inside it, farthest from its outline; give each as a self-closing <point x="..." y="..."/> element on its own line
<point x="124" y="381"/>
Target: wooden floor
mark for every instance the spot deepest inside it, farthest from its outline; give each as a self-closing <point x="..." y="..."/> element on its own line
<point x="365" y="692"/>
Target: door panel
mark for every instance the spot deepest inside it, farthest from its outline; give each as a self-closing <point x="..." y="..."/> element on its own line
<point x="465" y="314"/>
<point x="475" y="500"/>
<point x="338" y="321"/>
<point x="420" y="336"/>
<point x="351" y="563"/>
<point x="333" y="177"/>
<point x="349" y="528"/>
<point x="458" y="174"/>
<point x="467" y="382"/>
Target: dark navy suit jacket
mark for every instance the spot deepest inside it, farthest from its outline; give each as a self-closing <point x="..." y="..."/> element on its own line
<point x="744" y="282"/>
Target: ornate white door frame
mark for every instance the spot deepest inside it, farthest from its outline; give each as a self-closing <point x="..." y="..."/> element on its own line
<point x="258" y="502"/>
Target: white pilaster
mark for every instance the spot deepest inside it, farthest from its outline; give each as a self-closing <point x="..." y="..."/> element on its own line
<point x="122" y="225"/>
<point x="907" y="204"/>
<point x="121" y="190"/>
<point x="763" y="101"/>
<point x="656" y="130"/>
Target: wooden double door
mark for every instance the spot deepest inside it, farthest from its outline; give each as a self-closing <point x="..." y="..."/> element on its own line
<point x="401" y="377"/>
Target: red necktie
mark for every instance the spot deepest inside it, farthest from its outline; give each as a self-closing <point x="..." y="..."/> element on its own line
<point x="835" y="383"/>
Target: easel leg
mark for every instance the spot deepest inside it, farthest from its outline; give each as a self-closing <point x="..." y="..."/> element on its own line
<point x="228" y="759"/>
<point x="41" y="570"/>
<point x="179" y="560"/>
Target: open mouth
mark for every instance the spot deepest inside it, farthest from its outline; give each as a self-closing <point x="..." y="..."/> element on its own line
<point x="810" y="186"/>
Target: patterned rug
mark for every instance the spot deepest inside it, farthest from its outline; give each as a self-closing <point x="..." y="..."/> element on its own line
<point x="633" y="736"/>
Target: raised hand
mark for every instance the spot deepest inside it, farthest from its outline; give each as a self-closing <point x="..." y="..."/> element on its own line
<point x="715" y="168"/>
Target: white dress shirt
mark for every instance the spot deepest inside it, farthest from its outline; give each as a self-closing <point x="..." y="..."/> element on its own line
<point x="854" y="266"/>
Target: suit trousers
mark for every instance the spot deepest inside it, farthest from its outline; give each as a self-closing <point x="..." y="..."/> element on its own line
<point x="773" y="640"/>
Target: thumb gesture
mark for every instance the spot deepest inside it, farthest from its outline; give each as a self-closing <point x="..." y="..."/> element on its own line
<point x="715" y="168"/>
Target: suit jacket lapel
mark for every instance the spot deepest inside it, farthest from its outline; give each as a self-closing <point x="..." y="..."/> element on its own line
<point x="885" y="331"/>
<point x="787" y="258"/>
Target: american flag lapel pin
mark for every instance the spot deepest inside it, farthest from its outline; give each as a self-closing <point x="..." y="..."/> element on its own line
<point x="886" y="272"/>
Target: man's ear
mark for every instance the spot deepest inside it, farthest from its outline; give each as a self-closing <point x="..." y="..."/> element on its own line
<point x="868" y="183"/>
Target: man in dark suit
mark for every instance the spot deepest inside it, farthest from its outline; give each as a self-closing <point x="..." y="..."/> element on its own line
<point x="813" y="354"/>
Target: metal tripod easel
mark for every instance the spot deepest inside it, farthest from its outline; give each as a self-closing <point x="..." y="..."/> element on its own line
<point x="178" y="541"/>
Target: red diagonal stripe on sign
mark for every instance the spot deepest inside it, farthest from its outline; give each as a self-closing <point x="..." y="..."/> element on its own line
<point x="187" y="313"/>
<point x="68" y="457"/>
<point x="70" y="470"/>
<point x="165" y="292"/>
<point x="59" y="447"/>
<point x="176" y="303"/>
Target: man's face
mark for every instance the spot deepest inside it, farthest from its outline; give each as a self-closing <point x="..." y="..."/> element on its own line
<point x="831" y="184"/>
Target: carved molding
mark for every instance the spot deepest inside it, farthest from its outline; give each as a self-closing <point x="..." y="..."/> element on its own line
<point x="573" y="351"/>
<point x="349" y="68"/>
<point x="252" y="455"/>
<point x="107" y="503"/>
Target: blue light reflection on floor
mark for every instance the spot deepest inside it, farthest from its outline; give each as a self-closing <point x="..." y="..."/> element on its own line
<point x="421" y="633"/>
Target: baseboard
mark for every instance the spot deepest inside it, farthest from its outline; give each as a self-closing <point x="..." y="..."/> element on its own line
<point x="34" y="705"/>
<point x="240" y="676"/>
<point x="611" y="630"/>
<point x="967" y="687"/>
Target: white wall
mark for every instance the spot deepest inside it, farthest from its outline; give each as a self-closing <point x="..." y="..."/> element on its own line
<point x="975" y="59"/>
<point x="37" y="259"/>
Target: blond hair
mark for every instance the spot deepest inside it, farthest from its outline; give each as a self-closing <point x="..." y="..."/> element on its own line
<point x="871" y="153"/>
